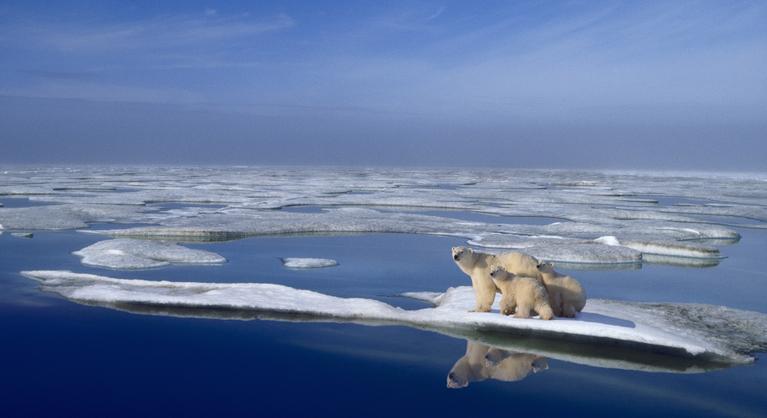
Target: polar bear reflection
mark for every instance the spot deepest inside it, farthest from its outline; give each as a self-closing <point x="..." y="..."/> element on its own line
<point x="483" y="362"/>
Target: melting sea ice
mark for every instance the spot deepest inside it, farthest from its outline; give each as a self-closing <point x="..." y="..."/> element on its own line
<point x="366" y="339"/>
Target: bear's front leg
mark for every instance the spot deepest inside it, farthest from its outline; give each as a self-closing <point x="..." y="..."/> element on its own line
<point x="508" y="305"/>
<point x="523" y="311"/>
<point x="555" y="301"/>
<point x="544" y="311"/>
<point x="482" y="307"/>
<point x="484" y="294"/>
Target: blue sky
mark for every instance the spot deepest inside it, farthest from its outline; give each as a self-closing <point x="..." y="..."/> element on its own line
<point x="516" y="84"/>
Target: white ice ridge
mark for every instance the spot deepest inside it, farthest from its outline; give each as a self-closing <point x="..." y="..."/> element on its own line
<point x="695" y="331"/>
<point x="127" y="253"/>
<point x="308" y="263"/>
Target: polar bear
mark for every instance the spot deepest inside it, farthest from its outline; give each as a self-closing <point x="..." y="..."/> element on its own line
<point x="566" y="294"/>
<point x="512" y="366"/>
<point x="482" y="362"/>
<point x="477" y="266"/>
<point x="521" y="294"/>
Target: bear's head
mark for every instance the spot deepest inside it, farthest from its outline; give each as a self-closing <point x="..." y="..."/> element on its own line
<point x="464" y="257"/>
<point x="460" y="375"/>
<point x="500" y="273"/>
<point x="544" y="267"/>
<point x="460" y="252"/>
<point x="495" y="356"/>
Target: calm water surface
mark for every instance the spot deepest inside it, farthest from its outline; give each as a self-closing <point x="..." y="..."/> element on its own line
<point x="65" y="359"/>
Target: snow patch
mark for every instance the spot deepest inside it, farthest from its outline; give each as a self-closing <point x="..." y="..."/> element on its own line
<point x="608" y="240"/>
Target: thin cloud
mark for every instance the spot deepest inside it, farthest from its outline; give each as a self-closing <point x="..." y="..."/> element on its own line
<point x="436" y="14"/>
<point x="150" y="34"/>
<point x="104" y="92"/>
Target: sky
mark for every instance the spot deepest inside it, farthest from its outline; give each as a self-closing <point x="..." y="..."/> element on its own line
<point x="562" y="84"/>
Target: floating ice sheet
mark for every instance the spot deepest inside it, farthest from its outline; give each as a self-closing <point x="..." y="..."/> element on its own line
<point x="308" y="263"/>
<point x="65" y="216"/>
<point x="137" y="254"/>
<point x="604" y="250"/>
<point x="647" y="213"/>
<point x="711" y="333"/>
<point x="561" y="250"/>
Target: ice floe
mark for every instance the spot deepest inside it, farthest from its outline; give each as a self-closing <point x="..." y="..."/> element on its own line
<point x="666" y="248"/>
<point x="560" y="250"/>
<point x="704" y="332"/>
<point x="685" y="215"/>
<point x="137" y="254"/>
<point x="308" y="263"/>
<point x="65" y="216"/>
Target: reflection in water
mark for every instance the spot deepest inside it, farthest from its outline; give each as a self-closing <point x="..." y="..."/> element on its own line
<point x="482" y="362"/>
<point x="597" y="267"/>
<point x="681" y="261"/>
<point x="583" y="351"/>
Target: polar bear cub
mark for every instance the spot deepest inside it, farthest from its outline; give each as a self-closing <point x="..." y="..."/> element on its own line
<point x="521" y="295"/>
<point x="477" y="266"/>
<point x="566" y="294"/>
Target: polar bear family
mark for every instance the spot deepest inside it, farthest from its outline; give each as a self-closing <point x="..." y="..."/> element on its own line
<point x="528" y="287"/>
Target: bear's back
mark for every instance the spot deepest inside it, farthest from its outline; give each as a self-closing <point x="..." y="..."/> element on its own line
<point x="519" y="263"/>
<point x="572" y="291"/>
<point x="514" y="367"/>
<point x="528" y="287"/>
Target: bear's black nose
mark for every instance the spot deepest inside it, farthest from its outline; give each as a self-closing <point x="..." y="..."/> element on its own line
<point x="455" y="257"/>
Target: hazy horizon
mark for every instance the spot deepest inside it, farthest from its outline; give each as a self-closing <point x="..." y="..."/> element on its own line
<point x="591" y="85"/>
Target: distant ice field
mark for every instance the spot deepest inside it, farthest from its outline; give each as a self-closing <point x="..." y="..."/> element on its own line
<point x="686" y="218"/>
<point x="602" y="223"/>
<point x="234" y="307"/>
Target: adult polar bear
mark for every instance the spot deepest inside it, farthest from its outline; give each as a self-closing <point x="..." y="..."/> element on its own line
<point x="566" y="295"/>
<point x="478" y="265"/>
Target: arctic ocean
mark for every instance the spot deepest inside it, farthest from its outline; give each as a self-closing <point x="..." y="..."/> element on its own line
<point x="194" y="291"/>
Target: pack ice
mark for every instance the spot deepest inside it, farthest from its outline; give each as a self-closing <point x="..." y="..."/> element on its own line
<point x="672" y="218"/>
<point x="701" y="332"/>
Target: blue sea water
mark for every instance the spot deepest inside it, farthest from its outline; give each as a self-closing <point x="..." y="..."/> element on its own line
<point x="65" y="359"/>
